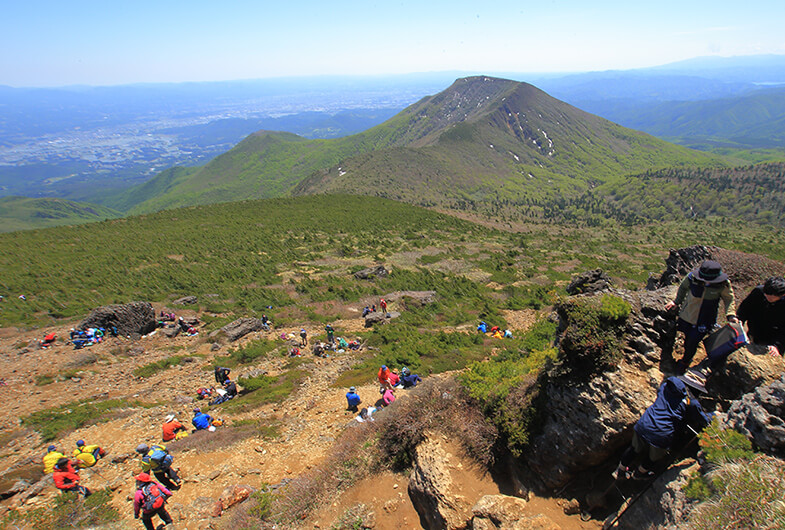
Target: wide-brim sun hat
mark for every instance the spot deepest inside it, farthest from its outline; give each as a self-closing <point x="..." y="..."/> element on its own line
<point x="143" y="477"/>
<point x="169" y="418"/>
<point x="710" y="272"/>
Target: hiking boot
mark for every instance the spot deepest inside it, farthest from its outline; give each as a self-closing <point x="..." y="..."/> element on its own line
<point x="621" y="473"/>
<point x="642" y="475"/>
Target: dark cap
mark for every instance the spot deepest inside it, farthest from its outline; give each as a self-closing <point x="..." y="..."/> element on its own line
<point x="774" y="286"/>
<point x="710" y="272"/>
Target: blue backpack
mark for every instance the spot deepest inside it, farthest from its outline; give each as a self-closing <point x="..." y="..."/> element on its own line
<point x="161" y="457"/>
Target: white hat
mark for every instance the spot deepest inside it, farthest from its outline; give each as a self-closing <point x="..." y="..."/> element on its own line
<point x="169" y="418"/>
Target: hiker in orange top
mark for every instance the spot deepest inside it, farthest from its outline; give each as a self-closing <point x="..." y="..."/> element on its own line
<point x="67" y="479"/>
<point x="173" y="429"/>
<point x="384" y="377"/>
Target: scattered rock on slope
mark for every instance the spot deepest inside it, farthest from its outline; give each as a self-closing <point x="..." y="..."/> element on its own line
<point x="760" y="415"/>
<point x="589" y="282"/>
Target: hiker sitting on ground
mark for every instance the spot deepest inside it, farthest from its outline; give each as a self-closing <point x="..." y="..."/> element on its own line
<point x="507" y="334"/>
<point x="88" y="455"/>
<point x="366" y="414"/>
<point x="342" y="343"/>
<point x="764" y="313"/>
<point x="205" y="393"/>
<point x="699" y="298"/>
<point x="394" y="379"/>
<point x="67" y="479"/>
<point x="51" y="458"/>
<point x="173" y="429"/>
<point x="266" y="322"/>
<point x="48" y="340"/>
<point x="352" y="399"/>
<point x="408" y="380"/>
<point x="150" y="499"/>
<point x="384" y="377"/>
<point x="483" y="327"/>
<point x="157" y="459"/>
<point x="497" y="334"/>
<point x="221" y="374"/>
<point x="654" y="434"/>
<point x="201" y="420"/>
<point x="229" y="392"/>
<point x="354" y="345"/>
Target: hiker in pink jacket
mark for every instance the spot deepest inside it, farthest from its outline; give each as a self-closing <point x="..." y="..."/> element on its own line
<point x="150" y="499"/>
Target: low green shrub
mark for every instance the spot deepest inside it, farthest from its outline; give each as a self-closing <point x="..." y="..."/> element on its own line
<point x="67" y="510"/>
<point x="52" y="423"/>
<point x="152" y="368"/>
<point x="249" y="353"/>
<point x="593" y="338"/>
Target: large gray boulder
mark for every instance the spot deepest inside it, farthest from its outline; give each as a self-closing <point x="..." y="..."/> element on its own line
<point x="590" y="282"/>
<point x="372" y="272"/>
<point x="760" y="415"/>
<point x="131" y="318"/>
<point x="502" y="512"/>
<point x="240" y="328"/>
<point x="743" y="371"/>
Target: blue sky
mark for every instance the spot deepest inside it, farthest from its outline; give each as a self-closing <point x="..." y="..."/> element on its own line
<point x="56" y="42"/>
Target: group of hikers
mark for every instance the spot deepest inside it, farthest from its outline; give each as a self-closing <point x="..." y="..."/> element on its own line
<point x="389" y="381"/>
<point x="170" y="320"/>
<point x="372" y="308"/>
<point x="677" y="407"/>
<point x="494" y="331"/>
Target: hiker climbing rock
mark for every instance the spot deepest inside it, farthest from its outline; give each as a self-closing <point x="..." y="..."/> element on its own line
<point x="764" y="313"/>
<point x="150" y="499"/>
<point x="66" y="478"/>
<point x="173" y="429"/>
<point x="51" y="458"/>
<point x="88" y="455"/>
<point x="698" y="300"/>
<point x="352" y="399"/>
<point x="654" y="434"/>
<point x="157" y="459"/>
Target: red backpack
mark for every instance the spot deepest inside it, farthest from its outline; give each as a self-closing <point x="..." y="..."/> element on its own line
<point x="152" y="497"/>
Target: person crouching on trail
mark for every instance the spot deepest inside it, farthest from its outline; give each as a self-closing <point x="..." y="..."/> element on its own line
<point x="67" y="479"/>
<point x="88" y="455"/>
<point x="221" y="374"/>
<point x="157" y="459"/>
<point x="663" y="422"/>
<point x="352" y="399"/>
<point x="150" y="500"/>
<point x="201" y="420"/>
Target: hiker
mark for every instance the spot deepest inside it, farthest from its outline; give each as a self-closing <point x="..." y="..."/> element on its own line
<point x="205" y="393"/>
<point x="408" y="380"/>
<point x="384" y="377"/>
<point x="330" y="333"/>
<point x="366" y="310"/>
<point x="87" y="455"/>
<point x="388" y="396"/>
<point x="173" y="429"/>
<point x="366" y="414"/>
<point x="394" y="379"/>
<point x="229" y="392"/>
<point x="373" y="308"/>
<point x="497" y="334"/>
<point x="303" y="338"/>
<point x="655" y="432"/>
<point x="66" y="478"/>
<point x="51" y="458"/>
<point x="150" y="499"/>
<point x="383" y="305"/>
<point x="48" y="340"/>
<point x="157" y="459"/>
<point x="507" y="334"/>
<point x="354" y="345"/>
<point x="294" y="352"/>
<point x="352" y="399"/>
<point x="201" y="420"/>
<point x="764" y="313"/>
<point x="221" y="374"/>
<point x="266" y="322"/>
<point x="482" y="328"/>
<point x="318" y="349"/>
<point x="698" y="299"/>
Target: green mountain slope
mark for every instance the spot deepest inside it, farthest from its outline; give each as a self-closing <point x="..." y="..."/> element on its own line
<point x="481" y="139"/>
<point x="24" y="213"/>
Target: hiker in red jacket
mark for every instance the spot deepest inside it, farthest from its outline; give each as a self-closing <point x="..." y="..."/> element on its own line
<point x="150" y="499"/>
<point x="67" y="479"/>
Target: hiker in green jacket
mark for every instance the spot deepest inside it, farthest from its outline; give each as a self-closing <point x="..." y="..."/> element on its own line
<point x="698" y="299"/>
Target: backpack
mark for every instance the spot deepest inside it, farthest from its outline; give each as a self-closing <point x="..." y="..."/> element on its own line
<point x="152" y="497"/>
<point x="161" y="457"/>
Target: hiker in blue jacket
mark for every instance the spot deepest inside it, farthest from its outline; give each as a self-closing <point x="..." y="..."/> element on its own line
<point x="654" y="434"/>
<point x="201" y="420"/>
<point x="352" y="400"/>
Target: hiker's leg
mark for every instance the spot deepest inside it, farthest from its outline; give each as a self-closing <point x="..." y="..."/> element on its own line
<point x="692" y="338"/>
<point x="164" y="515"/>
<point x="161" y="475"/>
<point x="172" y="473"/>
<point x="147" y="520"/>
<point x="84" y="491"/>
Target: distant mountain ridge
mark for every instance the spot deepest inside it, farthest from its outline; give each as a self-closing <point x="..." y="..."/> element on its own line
<point x="483" y="138"/>
<point x="24" y="213"/>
